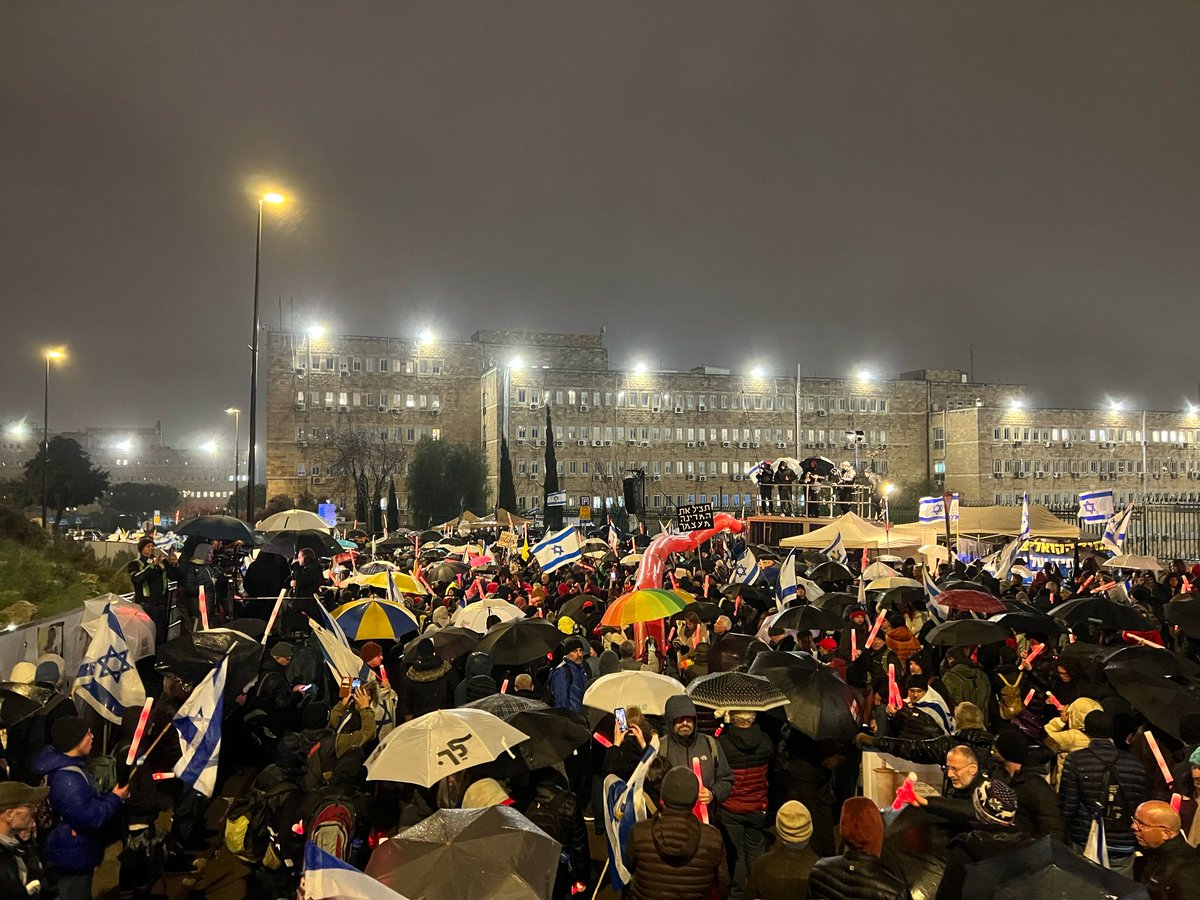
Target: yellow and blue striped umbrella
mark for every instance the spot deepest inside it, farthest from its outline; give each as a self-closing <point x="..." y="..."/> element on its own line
<point x="373" y="620"/>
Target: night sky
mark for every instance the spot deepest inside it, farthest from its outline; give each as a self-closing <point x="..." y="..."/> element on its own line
<point x="838" y="184"/>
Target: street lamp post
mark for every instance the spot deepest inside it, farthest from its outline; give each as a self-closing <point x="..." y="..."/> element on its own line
<point x="251" y="475"/>
<point x="50" y="355"/>
<point x="237" y="436"/>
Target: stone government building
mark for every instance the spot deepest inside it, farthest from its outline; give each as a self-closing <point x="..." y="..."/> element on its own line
<point x="696" y="433"/>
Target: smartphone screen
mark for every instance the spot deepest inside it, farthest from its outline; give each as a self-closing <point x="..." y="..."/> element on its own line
<point x="622" y="722"/>
<point x="355" y="684"/>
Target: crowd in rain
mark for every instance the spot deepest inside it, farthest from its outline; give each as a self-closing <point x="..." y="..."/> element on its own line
<point x="438" y="716"/>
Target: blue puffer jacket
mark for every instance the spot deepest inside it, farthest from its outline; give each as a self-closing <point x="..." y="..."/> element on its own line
<point x="76" y="844"/>
<point x="568" y="682"/>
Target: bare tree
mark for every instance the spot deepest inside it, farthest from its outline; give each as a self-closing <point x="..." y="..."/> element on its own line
<point x="362" y="456"/>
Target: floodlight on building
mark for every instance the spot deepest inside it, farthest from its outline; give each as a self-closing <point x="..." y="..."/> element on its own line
<point x="1016" y="403"/>
<point x="866" y="375"/>
<point x="516" y="363"/>
<point x="209" y="446"/>
<point x="640" y="368"/>
<point x="426" y="336"/>
<point x="757" y="372"/>
<point x="125" y="446"/>
<point x="316" y="331"/>
<point x="1116" y="405"/>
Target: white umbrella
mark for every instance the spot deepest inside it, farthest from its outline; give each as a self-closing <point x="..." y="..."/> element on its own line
<point x="812" y="590"/>
<point x="647" y="690"/>
<point x="135" y="622"/>
<point x="440" y="743"/>
<point x="475" y="615"/>
<point x="293" y="520"/>
<point x="892" y="581"/>
<point x="1129" y="561"/>
<point x="631" y="560"/>
<point x="935" y="552"/>
<point x="879" y="569"/>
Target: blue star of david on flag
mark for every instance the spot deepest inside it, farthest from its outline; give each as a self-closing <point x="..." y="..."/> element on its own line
<point x="557" y="550"/>
<point x="114" y="663"/>
<point x="107" y="679"/>
<point x="1096" y="506"/>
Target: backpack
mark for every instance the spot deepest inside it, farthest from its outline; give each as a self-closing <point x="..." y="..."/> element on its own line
<point x="331" y="827"/>
<point x="252" y="827"/>
<point x="308" y="667"/>
<point x="1011" y="701"/>
<point x="1113" y="808"/>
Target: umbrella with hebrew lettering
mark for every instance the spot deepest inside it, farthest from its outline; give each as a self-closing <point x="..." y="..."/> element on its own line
<point x="430" y="747"/>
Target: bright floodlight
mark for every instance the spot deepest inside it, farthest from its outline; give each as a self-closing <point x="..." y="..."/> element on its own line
<point x="273" y="197"/>
<point x="889" y="488"/>
<point x="316" y="330"/>
<point x="1116" y="405"/>
<point x="758" y="372"/>
<point x="56" y="353"/>
<point x="17" y="430"/>
<point x="1016" y="403"/>
<point x="426" y="336"/>
<point x="516" y="363"/>
<point x="233" y="410"/>
<point x="209" y="446"/>
<point x="865" y="375"/>
<point x="640" y="368"/>
<point x="126" y="445"/>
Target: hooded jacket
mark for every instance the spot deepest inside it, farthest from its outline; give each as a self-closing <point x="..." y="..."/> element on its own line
<point x="715" y="773"/>
<point x="76" y="845"/>
<point x="966" y="681"/>
<point x="428" y="684"/>
<point x="675" y="857"/>
<point x="1066" y="737"/>
<point x="477" y="664"/>
<point x="901" y="642"/>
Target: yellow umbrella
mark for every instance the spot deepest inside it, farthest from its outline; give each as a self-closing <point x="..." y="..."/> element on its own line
<point x="404" y="582"/>
<point x="372" y="620"/>
<point x="645" y="605"/>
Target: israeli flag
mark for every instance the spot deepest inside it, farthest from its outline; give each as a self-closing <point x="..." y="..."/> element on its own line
<point x="393" y="593"/>
<point x="745" y="568"/>
<point x="624" y="808"/>
<point x="1008" y="556"/>
<point x="933" y="510"/>
<point x="786" y="588"/>
<point x="614" y="539"/>
<point x="1114" y="530"/>
<point x="107" y="680"/>
<point x="1024" y="536"/>
<point x="1096" y="506"/>
<point x="557" y="550"/>
<point x="198" y="723"/>
<point x="326" y="877"/>
<point x="932" y="592"/>
<point x="836" y="551"/>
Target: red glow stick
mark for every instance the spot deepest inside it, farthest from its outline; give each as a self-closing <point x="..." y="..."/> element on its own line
<point x="1054" y="701"/>
<point x="1130" y="636"/>
<point x="875" y="628"/>
<point x="274" y="614"/>
<point x="141" y="729"/>
<point x="671" y="636"/>
<point x="203" y="610"/>
<point x="853" y="644"/>
<point x="504" y="686"/>
<point x="893" y="690"/>
<point x="383" y="675"/>
<point x="1033" y="655"/>
<point x="601" y="739"/>
<point x="1176" y="801"/>
<point x="701" y="808"/>
<point x="162" y="776"/>
<point x="1029" y="696"/>
<point x="1152" y="741"/>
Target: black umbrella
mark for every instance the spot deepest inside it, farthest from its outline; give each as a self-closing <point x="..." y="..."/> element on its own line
<point x="573" y="607"/>
<point x="823" y="706"/>
<point x="1045" y="869"/>
<point x="758" y="596"/>
<point x="818" y="466"/>
<point x="1101" y="612"/>
<point x="554" y="735"/>
<point x="966" y="632"/>
<point x="1028" y="622"/>
<point x="762" y="551"/>
<point x="218" y="528"/>
<point x="893" y="597"/>
<point x="449" y="643"/>
<point x="831" y="571"/>
<point x="191" y="657"/>
<point x="20" y="701"/>
<point x="1151" y="660"/>
<point x="708" y="612"/>
<point x="289" y="543"/>
<point x="445" y="571"/>
<point x="1163" y="699"/>
<point x="520" y="641"/>
<point x="807" y="618"/>
<point x="914" y="847"/>
<point x="1184" y="611"/>
<point x="835" y="601"/>
<point x="731" y="650"/>
<point x="958" y="584"/>
<point x="736" y="690"/>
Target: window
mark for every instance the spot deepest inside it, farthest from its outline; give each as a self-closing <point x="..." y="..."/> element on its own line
<point x="356" y="364"/>
<point x="436" y="366"/>
<point x="522" y="395"/>
<point x="384" y="365"/>
<point x="410" y="401"/>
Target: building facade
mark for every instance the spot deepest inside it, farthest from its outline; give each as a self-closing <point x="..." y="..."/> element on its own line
<point x="696" y="434"/>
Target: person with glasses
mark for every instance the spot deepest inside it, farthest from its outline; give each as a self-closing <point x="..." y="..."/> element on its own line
<point x="1169" y="867"/>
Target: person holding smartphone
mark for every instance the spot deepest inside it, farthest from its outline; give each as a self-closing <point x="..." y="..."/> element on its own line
<point x="629" y="743"/>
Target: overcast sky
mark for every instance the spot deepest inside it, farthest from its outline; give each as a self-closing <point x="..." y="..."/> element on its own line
<point x="836" y="184"/>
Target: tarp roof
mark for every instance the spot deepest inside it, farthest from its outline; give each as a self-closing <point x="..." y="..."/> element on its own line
<point x="998" y="522"/>
<point x="856" y="533"/>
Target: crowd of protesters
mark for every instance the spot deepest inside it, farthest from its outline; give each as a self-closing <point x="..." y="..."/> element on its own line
<point x="1034" y="739"/>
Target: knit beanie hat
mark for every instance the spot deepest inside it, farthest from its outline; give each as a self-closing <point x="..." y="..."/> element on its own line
<point x="861" y="825"/>
<point x="1194" y="759"/>
<point x="680" y="788"/>
<point x="67" y="732"/>
<point x="1013" y="747"/>
<point x="995" y="803"/>
<point x="793" y="823"/>
<point x="370" y="650"/>
<point x="480" y="686"/>
<point x="1098" y="724"/>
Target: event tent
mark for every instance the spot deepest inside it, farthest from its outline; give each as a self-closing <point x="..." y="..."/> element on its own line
<point x="993" y="523"/>
<point x="856" y="533"/>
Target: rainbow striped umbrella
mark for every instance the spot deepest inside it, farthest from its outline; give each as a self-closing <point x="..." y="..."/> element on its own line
<point x="373" y="620"/>
<point x="645" y="605"/>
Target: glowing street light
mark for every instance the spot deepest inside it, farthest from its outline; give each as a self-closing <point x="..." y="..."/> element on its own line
<point x="426" y="336"/>
<point x="125" y="446"/>
<point x="1016" y="403"/>
<point x="516" y="363"/>
<point x="209" y="446"/>
<point x="316" y="331"/>
<point x="54" y="354"/>
<point x="17" y="430"/>
<point x="1116" y="405"/>
<point x="757" y="372"/>
<point x="640" y="368"/>
<point x="866" y="375"/>
<point x="273" y="198"/>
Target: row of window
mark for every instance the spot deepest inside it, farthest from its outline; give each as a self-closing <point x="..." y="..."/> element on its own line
<point x="324" y="363"/>
<point x="656" y="434"/>
<point x="845" y="404"/>
<point x="367" y="399"/>
<point x="1094" y="466"/>
<point x="663" y="468"/>
<point x="1071" y="500"/>
<point x="408" y="434"/>
<point x="1094" y="435"/>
